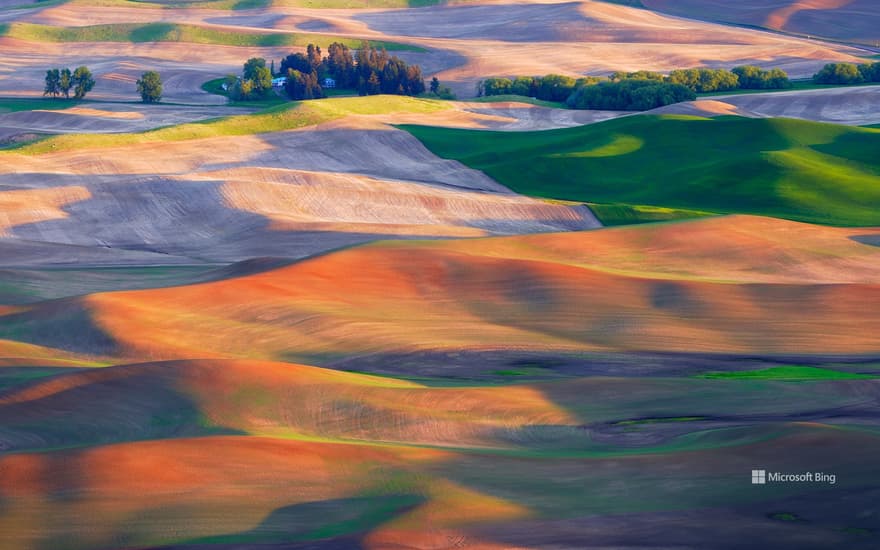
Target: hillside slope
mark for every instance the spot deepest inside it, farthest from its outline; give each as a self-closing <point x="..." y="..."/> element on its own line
<point x="845" y="20"/>
<point x="800" y="170"/>
<point x="569" y="291"/>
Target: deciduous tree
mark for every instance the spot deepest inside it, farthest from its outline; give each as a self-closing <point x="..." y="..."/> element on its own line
<point x="52" y="87"/>
<point x="149" y="85"/>
<point x="82" y="81"/>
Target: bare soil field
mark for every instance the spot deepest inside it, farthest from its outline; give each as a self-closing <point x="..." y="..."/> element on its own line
<point x="703" y="107"/>
<point x="107" y="118"/>
<point x="283" y="194"/>
<point x="858" y="106"/>
<point x="846" y="20"/>
<point x="512" y="116"/>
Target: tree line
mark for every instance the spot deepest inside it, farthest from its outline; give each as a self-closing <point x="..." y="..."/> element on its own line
<point x="60" y="82"/>
<point x="640" y="90"/>
<point x="368" y="71"/>
<point x="848" y="73"/>
<point x="629" y="95"/>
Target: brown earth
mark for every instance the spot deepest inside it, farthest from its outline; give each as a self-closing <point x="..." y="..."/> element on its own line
<point x="846" y="20"/>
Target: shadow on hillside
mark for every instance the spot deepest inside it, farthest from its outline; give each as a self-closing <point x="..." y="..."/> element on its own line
<point x="336" y="524"/>
<point x="112" y="405"/>
<point x="870" y="240"/>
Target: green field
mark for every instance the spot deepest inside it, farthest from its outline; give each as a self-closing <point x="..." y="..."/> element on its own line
<point x="786" y="168"/>
<point x="792" y="373"/>
<point x="15" y="104"/>
<point x="174" y="32"/>
<point x="626" y="214"/>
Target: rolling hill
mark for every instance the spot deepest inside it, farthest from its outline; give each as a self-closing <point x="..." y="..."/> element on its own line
<point x="572" y="291"/>
<point x="845" y="20"/>
<point x="800" y="170"/>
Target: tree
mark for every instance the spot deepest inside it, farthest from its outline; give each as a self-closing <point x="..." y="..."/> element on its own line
<point x="870" y="71"/>
<point x="65" y="82"/>
<point x="313" y="54"/>
<point x="643" y="75"/>
<point x="53" y="79"/>
<point x="414" y="84"/>
<point x="777" y="78"/>
<point x="150" y="87"/>
<point x="704" y="80"/>
<point x="296" y="62"/>
<point x="256" y="71"/>
<point x="445" y="92"/>
<point x="555" y="87"/>
<point x="244" y="89"/>
<point x="525" y="86"/>
<point x="373" y="84"/>
<point x="756" y="78"/>
<point x="82" y="81"/>
<point x="750" y="77"/>
<point x="339" y="65"/>
<point x="435" y="85"/>
<point x="838" y="73"/>
<point x="303" y="86"/>
<point x="497" y="86"/>
<point x="629" y="95"/>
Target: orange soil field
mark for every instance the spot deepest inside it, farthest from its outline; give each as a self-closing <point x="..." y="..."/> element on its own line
<point x="733" y="284"/>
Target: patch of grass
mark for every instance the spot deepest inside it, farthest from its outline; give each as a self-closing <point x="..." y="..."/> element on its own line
<point x="175" y="32"/>
<point x="793" y="373"/>
<point x="785" y="168"/>
<point x="520" y="99"/>
<point x="287" y="116"/>
<point x="215" y="87"/>
<point x="12" y="105"/>
<point x="273" y="100"/>
<point x="626" y="214"/>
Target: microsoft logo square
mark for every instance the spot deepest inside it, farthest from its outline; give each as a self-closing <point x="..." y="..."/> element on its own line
<point x="759" y="477"/>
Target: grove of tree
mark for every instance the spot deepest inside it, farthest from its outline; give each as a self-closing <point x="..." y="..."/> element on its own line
<point x="640" y="90"/>
<point x="848" y="73"/>
<point x="60" y="82"/>
<point x="367" y="70"/>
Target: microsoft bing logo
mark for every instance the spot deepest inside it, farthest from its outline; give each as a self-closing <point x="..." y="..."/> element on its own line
<point x="759" y="477"/>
